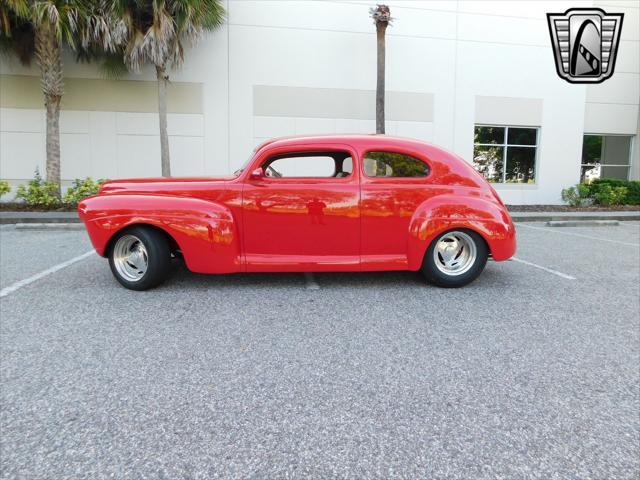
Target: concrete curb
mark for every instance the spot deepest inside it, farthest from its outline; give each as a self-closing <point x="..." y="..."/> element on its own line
<point x="574" y="217"/>
<point x="583" y="223"/>
<point x="38" y="217"/>
<point x="49" y="226"/>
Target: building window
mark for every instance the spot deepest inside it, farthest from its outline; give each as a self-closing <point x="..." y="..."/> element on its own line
<point x="605" y="156"/>
<point x="506" y="154"/>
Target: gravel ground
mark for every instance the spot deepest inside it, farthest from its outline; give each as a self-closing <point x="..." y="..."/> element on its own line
<point x="523" y="374"/>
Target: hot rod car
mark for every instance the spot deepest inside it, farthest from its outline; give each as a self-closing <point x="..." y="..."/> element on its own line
<point x="316" y="203"/>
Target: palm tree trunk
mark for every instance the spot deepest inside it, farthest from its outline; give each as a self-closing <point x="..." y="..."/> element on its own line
<point x="162" y="112"/>
<point x="381" y="28"/>
<point x="50" y="61"/>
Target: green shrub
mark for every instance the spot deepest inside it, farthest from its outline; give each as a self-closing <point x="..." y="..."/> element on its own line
<point x="608" y="195"/>
<point x="4" y="187"/>
<point x="576" y="196"/>
<point x="603" y="191"/>
<point x="38" y="192"/>
<point x="633" y="188"/>
<point x="81" y="189"/>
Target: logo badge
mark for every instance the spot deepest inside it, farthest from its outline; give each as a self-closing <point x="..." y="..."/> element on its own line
<point x="585" y="43"/>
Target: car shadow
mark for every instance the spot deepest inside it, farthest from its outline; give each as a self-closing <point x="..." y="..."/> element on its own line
<point x="182" y="277"/>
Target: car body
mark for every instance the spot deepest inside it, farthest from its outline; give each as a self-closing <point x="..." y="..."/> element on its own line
<point x="357" y="220"/>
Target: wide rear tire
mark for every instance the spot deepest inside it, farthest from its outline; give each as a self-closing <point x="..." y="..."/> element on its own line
<point x="140" y="257"/>
<point x="455" y="258"/>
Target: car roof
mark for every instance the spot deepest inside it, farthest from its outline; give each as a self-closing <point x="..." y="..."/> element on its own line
<point x="370" y="140"/>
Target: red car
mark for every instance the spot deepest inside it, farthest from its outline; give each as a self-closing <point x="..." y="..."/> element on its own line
<point x="301" y="204"/>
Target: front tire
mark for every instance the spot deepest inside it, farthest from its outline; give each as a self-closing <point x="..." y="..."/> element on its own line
<point x="140" y="258"/>
<point x="455" y="258"/>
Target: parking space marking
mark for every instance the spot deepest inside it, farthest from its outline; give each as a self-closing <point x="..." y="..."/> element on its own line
<point x="23" y="283"/>
<point x="578" y="235"/>
<point x="311" y="282"/>
<point x="549" y="270"/>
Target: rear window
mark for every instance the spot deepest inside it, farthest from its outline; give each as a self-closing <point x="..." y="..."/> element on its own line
<point x="393" y="165"/>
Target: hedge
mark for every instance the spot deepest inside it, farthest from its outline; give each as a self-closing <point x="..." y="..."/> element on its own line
<point x="633" y="188"/>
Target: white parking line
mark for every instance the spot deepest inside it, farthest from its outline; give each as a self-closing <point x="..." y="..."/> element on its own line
<point x="555" y="272"/>
<point x="23" y="283"/>
<point x="311" y="282"/>
<point x="578" y="235"/>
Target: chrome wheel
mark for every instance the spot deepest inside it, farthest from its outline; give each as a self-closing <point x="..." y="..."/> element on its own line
<point x="455" y="253"/>
<point x="130" y="258"/>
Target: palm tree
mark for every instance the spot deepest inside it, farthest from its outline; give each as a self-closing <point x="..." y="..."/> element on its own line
<point x="40" y="28"/>
<point x="154" y="32"/>
<point x="382" y="18"/>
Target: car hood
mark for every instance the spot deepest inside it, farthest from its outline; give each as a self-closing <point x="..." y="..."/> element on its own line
<point x="160" y="184"/>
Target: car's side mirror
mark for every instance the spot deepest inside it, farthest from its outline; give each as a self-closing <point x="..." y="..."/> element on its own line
<point x="257" y="174"/>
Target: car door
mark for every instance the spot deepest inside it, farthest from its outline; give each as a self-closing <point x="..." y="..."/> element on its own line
<point x="303" y="211"/>
<point x="394" y="183"/>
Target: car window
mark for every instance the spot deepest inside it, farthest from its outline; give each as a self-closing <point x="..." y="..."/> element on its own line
<point x="389" y="164"/>
<point x="347" y="165"/>
<point x="328" y="165"/>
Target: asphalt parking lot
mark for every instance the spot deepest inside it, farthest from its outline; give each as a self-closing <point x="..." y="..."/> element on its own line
<point x="533" y="371"/>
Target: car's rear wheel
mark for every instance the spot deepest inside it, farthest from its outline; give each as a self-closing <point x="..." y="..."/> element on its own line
<point x="140" y="258"/>
<point x="455" y="258"/>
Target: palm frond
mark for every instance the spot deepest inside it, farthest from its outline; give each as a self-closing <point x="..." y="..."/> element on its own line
<point x="113" y="66"/>
<point x="17" y="36"/>
<point x="154" y="31"/>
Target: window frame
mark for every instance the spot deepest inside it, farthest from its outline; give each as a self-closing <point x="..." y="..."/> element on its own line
<point x="397" y="151"/>
<point x="602" y="146"/>
<point x="505" y="148"/>
<point x="324" y="152"/>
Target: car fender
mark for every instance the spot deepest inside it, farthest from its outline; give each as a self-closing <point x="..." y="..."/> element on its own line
<point x="445" y="212"/>
<point x="205" y="231"/>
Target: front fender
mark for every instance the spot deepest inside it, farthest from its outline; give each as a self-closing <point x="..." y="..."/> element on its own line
<point x="205" y="231"/>
<point x="445" y="212"/>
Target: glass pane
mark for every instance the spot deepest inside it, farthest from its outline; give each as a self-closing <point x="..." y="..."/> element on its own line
<point x="489" y="135"/>
<point x="521" y="164"/>
<point x="614" y="172"/>
<point x="347" y="165"/>
<point x="489" y="162"/>
<point x="387" y="164"/>
<point x="522" y="136"/>
<point x="591" y="149"/>
<point x="589" y="173"/>
<point x="288" y="167"/>
<point x="616" y="150"/>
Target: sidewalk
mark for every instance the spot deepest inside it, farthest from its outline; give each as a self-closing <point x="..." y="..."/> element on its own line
<point x="72" y="217"/>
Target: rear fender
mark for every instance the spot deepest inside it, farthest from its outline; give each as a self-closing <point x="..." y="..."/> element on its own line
<point x="204" y="231"/>
<point x="445" y="212"/>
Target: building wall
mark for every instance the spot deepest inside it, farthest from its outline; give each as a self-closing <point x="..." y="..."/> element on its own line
<point x="282" y="68"/>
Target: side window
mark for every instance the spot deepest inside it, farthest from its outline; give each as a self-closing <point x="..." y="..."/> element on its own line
<point x="309" y="165"/>
<point x="347" y="166"/>
<point x="388" y="164"/>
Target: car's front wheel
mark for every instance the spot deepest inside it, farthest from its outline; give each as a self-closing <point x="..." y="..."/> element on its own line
<point x="140" y="258"/>
<point x="455" y="258"/>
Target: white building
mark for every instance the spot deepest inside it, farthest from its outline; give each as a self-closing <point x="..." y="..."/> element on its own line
<point x="283" y="67"/>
